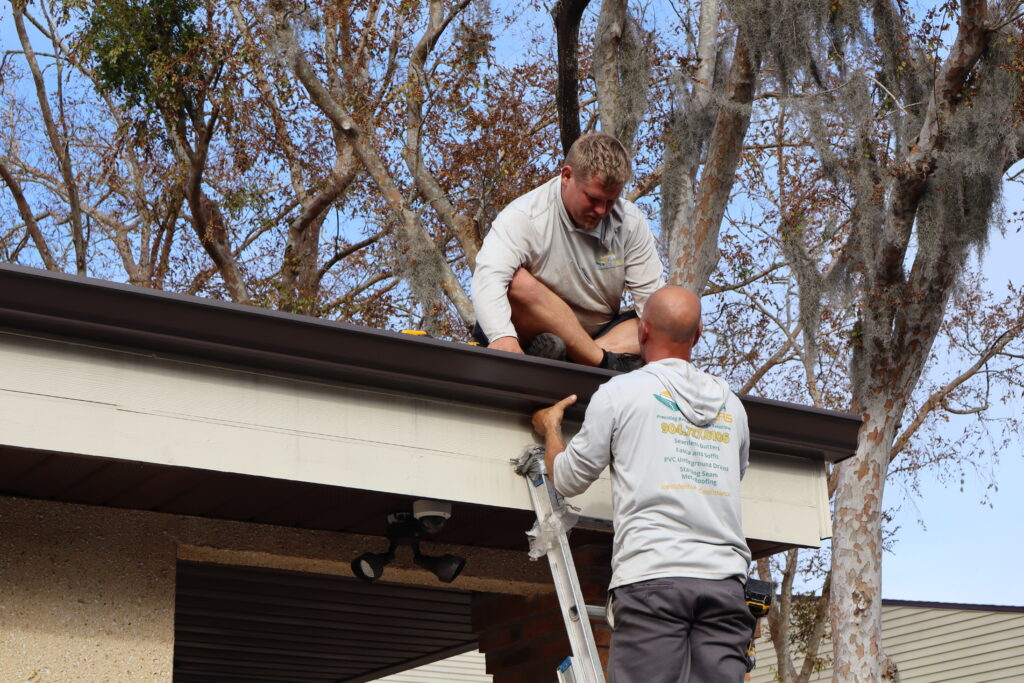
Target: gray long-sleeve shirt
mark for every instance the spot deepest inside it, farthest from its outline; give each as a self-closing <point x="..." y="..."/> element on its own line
<point x="677" y="442"/>
<point x="589" y="270"/>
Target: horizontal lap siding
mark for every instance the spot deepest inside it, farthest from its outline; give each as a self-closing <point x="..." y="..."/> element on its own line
<point x="465" y="668"/>
<point x="932" y="644"/>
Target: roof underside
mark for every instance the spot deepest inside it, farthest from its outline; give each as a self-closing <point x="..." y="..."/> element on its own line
<point x="90" y="480"/>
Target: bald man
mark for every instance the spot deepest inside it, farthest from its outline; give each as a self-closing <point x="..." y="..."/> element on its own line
<point x="677" y="442"/>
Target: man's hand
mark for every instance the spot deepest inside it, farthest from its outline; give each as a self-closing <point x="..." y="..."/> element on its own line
<point x="547" y="420"/>
<point x="548" y="423"/>
<point x="510" y="344"/>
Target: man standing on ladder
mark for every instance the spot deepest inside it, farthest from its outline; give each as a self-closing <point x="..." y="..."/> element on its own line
<point x="677" y="441"/>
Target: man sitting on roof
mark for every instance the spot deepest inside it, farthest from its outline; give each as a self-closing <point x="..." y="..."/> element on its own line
<point x="552" y="270"/>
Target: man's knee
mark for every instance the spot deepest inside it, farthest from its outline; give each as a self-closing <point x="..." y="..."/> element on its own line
<point x="525" y="289"/>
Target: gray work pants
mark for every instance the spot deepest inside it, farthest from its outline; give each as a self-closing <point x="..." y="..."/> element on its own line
<point x="680" y="630"/>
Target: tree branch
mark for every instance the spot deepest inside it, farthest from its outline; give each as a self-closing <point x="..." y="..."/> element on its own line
<point x="781" y="355"/>
<point x="30" y="220"/>
<point x="697" y="245"/>
<point x="58" y="146"/>
<point x="413" y="233"/>
<point x="459" y="225"/>
<point x="938" y="397"/>
<point x="621" y="72"/>
<point x="718" y="289"/>
<point x="348" y="251"/>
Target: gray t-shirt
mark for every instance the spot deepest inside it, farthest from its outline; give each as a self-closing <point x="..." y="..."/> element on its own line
<point x="678" y="444"/>
<point x="589" y="270"/>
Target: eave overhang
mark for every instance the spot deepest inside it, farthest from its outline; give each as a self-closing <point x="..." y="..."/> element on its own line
<point x="161" y="323"/>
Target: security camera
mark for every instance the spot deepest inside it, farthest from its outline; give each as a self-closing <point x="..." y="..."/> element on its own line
<point x="431" y="514"/>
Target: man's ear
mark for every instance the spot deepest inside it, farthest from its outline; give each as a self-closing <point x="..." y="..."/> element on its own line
<point x="566" y="173"/>
<point x="642" y="332"/>
<point x="698" y="333"/>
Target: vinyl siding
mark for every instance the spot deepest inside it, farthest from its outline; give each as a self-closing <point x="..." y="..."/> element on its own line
<point x="932" y="644"/>
<point x="468" y="667"/>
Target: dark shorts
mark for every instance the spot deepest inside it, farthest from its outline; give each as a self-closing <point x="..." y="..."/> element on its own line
<point x="480" y="338"/>
<point x="677" y="630"/>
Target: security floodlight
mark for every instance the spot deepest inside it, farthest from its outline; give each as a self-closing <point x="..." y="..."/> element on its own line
<point x="406" y="529"/>
<point x="445" y="568"/>
<point x="370" y="566"/>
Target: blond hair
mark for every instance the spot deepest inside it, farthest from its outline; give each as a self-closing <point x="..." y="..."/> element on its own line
<point x="601" y="157"/>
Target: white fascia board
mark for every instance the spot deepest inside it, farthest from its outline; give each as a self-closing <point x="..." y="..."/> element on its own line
<point x="76" y="398"/>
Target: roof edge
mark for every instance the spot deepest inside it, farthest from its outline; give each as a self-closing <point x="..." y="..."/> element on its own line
<point x="121" y="315"/>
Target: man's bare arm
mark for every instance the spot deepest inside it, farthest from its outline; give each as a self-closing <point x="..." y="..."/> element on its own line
<point x="548" y="423"/>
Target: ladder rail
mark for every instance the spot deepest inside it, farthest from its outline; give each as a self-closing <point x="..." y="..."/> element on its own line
<point x="585" y="664"/>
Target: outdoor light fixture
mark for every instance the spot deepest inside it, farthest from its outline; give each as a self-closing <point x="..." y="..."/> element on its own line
<point x="406" y="528"/>
<point x="445" y="568"/>
<point x="370" y="566"/>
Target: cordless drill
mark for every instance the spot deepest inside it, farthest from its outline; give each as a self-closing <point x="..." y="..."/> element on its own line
<point x="758" y="595"/>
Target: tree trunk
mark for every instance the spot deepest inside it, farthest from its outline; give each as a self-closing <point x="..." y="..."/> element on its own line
<point x="567" y="15"/>
<point x="621" y="72"/>
<point x="697" y="245"/>
<point x="856" y="605"/>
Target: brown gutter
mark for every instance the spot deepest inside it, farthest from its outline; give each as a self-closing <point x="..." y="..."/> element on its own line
<point x="119" y="315"/>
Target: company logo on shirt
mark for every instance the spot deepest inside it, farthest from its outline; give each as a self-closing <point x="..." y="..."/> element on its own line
<point x="610" y="260"/>
<point x="666" y="400"/>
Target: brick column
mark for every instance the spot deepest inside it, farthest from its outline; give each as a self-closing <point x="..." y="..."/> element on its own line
<point x="524" y="639"/>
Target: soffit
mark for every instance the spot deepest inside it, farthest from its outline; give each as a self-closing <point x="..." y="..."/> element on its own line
<point x="90" y="480"/>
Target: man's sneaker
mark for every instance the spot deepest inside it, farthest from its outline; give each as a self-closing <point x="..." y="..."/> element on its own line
<point x="547" y="345"/>
<point x="621" y="362"/>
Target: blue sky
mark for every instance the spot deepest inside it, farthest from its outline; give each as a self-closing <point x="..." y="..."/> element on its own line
<point x="966" y="551"/>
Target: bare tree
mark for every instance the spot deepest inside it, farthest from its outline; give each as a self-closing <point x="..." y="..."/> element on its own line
<point x="56" y="135"/>
<point x="915" y="146"/>
<point x="427" y="267"/>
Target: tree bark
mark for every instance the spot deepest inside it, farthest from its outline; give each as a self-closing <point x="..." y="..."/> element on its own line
<point x="567" y="15"/>
<point x="856" y="606"/>
<point x="696" y="247"/>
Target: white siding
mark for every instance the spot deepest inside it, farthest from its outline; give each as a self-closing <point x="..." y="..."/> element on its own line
<point x="935" y="644"/>
<point x="465" y="668"/>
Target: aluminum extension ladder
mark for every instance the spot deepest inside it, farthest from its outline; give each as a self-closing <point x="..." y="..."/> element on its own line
<point x="549" y="536"/>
